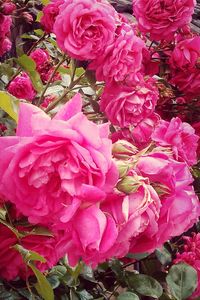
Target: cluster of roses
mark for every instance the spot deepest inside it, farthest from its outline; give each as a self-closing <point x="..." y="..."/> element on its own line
<point x="6" y="10"/>
<point x="59" y="174"/>
<point x="99" y="200"/>
<point x="22" y="87"/>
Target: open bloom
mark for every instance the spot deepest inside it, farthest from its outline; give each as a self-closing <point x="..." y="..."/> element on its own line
<point x="11" y="262"/>
<point x="184" y="65"/>
<point x="50" y="12"/>
<point x="180" y="206"/>
<point x="51" y="166"/>
<point x="123" y="59"/>
<point x="85" y="28"/>
<point x="162" y="18"/>
<point x="180" y="136"/>
<point x="128" y="105"/>
<point x="22" y="87"/>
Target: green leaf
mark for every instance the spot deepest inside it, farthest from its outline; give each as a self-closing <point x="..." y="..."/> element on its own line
<point x="42" y="286"/>
<point x="39" y="32"/>
<point x="9" y="104"/>
<point x="137" y="256"/>
<point x="29" y="255"/>
<point x="84" y="295"/>
<point x="128" y="296"/>
<point x="163" y="256"/>
<point x="39" y="16"/>
<point x="182" y="281"/>
<point x="45" y="2"/>
<point x="145" y="285"/>
<point x="28" y="65"/>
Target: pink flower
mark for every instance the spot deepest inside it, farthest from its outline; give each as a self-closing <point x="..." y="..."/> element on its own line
<point x="11" y="262"/>
<point x="22" y="87"/>
<point x="140" y="135"/>
<point x="123" y="59"/>
<point x="134" y="213"/>
<point x="128" y="105"/>
<point x="56" y="164"/>
<point x="8" y="8"/>
<point x="196" y="126"/>
<point x="191" y="256"/>
<point x="180" y="206"/>
<point x="93" y="246"/>
<point x="50" y="12"/>
<point x="40" y="56"/>
<point x="180" y="136"/>
<point x="10" y="259"/>
<point x="5" y="23"/>
<point x="84" y="28"/>
<point x="162" y="18"/>
<point x="5" y="45"/>
<point x="184" y="65"/>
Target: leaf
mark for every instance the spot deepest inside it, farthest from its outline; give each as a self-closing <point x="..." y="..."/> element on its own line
<point x="128" y="296"/>
<point x="29" y="255"/>
<point x="45" y="2"/>
<point x="9" y="104"/>
<point x="42" y="286"/>
<point x="28" y="65"/>
<point x="182" y="281"/>
<point x="145" y="285"/>
<point x="137" y="256"/>
<point x="40" y="231"/>
<point x="84" y="295"/>
<point x="163" y="256"/>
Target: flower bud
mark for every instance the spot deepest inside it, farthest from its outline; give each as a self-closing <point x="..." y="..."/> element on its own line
<point x="128" y="185"/>
<point x="123" y="149"/>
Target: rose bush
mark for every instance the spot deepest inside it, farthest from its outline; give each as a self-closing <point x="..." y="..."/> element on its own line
<point x="99" y="174"/>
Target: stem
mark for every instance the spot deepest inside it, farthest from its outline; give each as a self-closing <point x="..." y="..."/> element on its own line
<point x="67" y="91"/>
<point x="50" y="80"/>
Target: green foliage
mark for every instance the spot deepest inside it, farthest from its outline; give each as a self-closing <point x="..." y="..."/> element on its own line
<point x="29" y="66"/>
<point x="128" y="296"/>
<point x="145" y="285"/>
<point x="182" y="281"/>
<point x="9" y="104"/>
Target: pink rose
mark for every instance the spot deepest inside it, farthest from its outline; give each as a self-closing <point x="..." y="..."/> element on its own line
<point x="10" y="259"/>
<point x="128" y="105"/>
<point x="93" y="246"/>
<point x="84" y="28"/>
<point x="22" y="87"/>
<point x="134" y="213"/>
<point x="5" y="45"/>
<point x="40" y="56"/>
<point x="123" y="59"/>
<point x="184" y="65"/>
<point x="50" y="12"/>
<point x="8" y="8"/>
<point x="180" y="136"/>
<point x="162" y="18"/>
<point x="56" y="164"/>
<point x="180" y="206"/>
<point x="5" y="23"/>
<point x="196" y="126"/>
<point x="140" y="135"/>
<point x="11" y="263"/>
